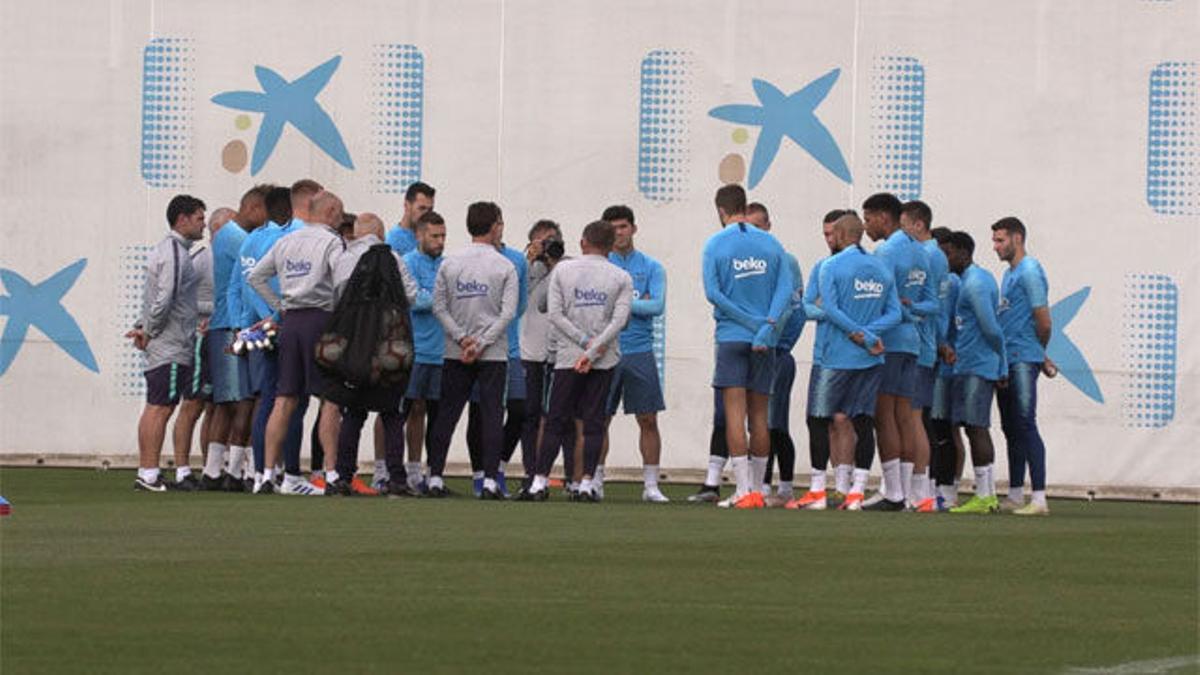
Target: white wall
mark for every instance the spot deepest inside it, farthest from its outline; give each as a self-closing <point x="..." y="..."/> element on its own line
<point x="1035" y="109"/>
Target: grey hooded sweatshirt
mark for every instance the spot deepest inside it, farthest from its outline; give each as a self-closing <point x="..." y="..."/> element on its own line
<point x="169" y="311"/>
<point x="589" y="304"/>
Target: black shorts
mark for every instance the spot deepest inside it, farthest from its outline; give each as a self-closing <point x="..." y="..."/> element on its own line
<point x="299" y="333"/>
<point x="168" y="383"/>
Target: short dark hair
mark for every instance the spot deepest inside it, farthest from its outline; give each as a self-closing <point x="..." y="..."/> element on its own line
<point x="256" y="193"/>
<point x="1010" y="224"/>
<point x="347" y="224"/>
<point x="619" y="212"/>
<point x="480" y="218"/>
<point x="758" y="207"/>
<point x="543" y="225"/>
<point x="885" y="202"/>
<point x="418" y="188"/>
<point x="941" y="234"/>
<point x="182" y="205"/>
<point x="306" y="186"/>
<point x="731" y="199"/>
<point x="961" y="241"/>
<point x="430" y="217"/>
<point x="920" y="211"/>
<point x="601" y="234"/>
<point x="279" y="205"/>
<point x="833" y="215"/>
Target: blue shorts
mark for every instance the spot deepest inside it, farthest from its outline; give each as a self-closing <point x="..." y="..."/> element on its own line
<point x="635" y="381"/>
<point x="739" y="366"/>
<point x="971" y="400"/>
<point x="201" y="388"/>
<point x="424" y="382"/>
<point x="923" y="391"/>
<point x="854" y="392"/>
<point x="899" y="375"/>
<point x="263" y="366"/>
<point x="780" y="408"/>
<point x="940" y="408"/>
<point x="225" y="367"/>
<point x="820" y="401"/>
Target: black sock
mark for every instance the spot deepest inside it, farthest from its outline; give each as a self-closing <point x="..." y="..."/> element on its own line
<point x="942" y="459"/>
<point x="717" y="445"/>
<point x="818" y="441"/>
<point x="864" y="450"/>
<point x="783" y="448"/>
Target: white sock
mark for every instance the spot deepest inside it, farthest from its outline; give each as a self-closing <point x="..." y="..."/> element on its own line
<point x="585" y="485"/>
<point x="539" y="483"/>
<point x="906" y="475"/>
<point x="758" y="473"/>
<point x="949" y="493"/>
<point x="650" y="476"/>
<point x="1039" y="498"/>
<point x="573" y="486"/>
<point x="237" y="460"/>
<point x="920" y="488"/>
<point x="413" y="469"/>
<point x="817" y="482"/>
<point x="331" y="476"/>
<point x="598" y="476"/>
<point x="891" y="481"/>
<point x="716" y="464"/>
<point x="381" y="471"/>
<point x="1016" y="494"/>
<point x="842" y="475"/>
<point x="489" y="484"/>
<point x="148" y="475"/>
<point x="741" y="474"/>
<point x="436" y="482"/>
<point x="182" y="472"/>
<point x="268" y="474"/>
<point x="860" y="481"/>
<point x="215" y="460"/>
<point x="477" y="475"/>
<point x="982" y="484"/>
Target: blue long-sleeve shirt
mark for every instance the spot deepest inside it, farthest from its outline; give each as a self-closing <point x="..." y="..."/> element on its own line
<point x="649" y="299"/>
<point x="428" y="340"/>
<point x="1023" y="289"/>
<point x="949" y="333"/>
<point x="814" y="312"/>
<point x="930" y="327"/>
<point x="858" y="295"/>
<point x="748" y="283"/>
<point x="225" y="246"/>
<point x="791" y="325"/>
<point x="254" y="247"/>
<point x="910" y="269"/>
<point x="979" y="343"/>
<point x="514" y="327"/>
<point x="401" y="239"/>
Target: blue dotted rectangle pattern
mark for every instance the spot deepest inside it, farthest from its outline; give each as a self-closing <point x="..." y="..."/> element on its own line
<point x="398" y="113"/>
<point x="1173" y="159"/>
<point x="131" y="363"/>
<point x="1151" y="330"/>
<point x="659" y="340"/>
<point x="167" y="105"/>
<point x="663" y="125"/>
<point x="897" y="125"/>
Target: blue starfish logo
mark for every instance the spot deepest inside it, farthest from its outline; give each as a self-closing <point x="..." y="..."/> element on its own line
<point x="282" y="102"/>
<point x="40" y="306"/>
<point x="1070" y="361"/>
<point x="793" y="116"/>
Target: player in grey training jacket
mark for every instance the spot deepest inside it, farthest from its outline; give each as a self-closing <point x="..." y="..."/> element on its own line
<point x="589" y="304"/>
<point x="167" y="332"/>
<point x="474" y="298"/>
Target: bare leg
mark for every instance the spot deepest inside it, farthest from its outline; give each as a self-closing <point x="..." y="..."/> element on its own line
<point x="414" y="430"/>
<point x="734" y="399"/>
<point x="277" y="428"/>
<point x="152" y="430"/>
<point x="887" y="430"/>
<point x="185" y="426"/>
<point x="331" y="424"/>
<point x="649" y="439"/>
<point x="760" y="436"/>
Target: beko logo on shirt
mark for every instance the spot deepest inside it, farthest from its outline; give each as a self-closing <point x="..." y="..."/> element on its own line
<point x="590" y="297"/>
<point x="916" y="277"/>
<point x="248" y="263"/>
<point x="298" y="268"/>
<point x="748" y="267"/>
<point x="470" y="289"/>
<point x="867" y="288"/>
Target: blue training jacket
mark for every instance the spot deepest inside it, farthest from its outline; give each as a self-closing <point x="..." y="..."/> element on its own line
<point x="748" y="283"/>
<point x="429" y="342"/>
<point x="979" y="343"/>
<point x="1023" y="289"/>
<point x="649" y="299"/>
<point x="930" y="327"/>
<point x="225" y="246"/>
<point x="858" y="294"/>
<point x="910" y="268"/>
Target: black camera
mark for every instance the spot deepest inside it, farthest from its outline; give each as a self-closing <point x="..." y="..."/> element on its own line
<point x="552" y="249"/>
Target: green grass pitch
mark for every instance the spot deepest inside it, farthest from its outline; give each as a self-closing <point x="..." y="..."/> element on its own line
<point x="96" y="578"/>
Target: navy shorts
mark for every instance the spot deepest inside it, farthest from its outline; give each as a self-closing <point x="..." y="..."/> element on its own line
<point x="820" y="392"/>
<point x="971" y="400"/>
<point x="899" y="375"/>
<point x="201" y="371"/>
<point x="780" y="407"/>
<point x="424" y="382"/>
<point x="739" y="366"/>
<point x="854" y="392"/>
<point x="940" y="408"/>
<point x="226" y="369"/>
<point x="263" y="367"/>
<point x="298" y="336"/>
<point x="923" y="391"/>
<point x="635" y="382"/>
<point x="167" y="384"/>
<point x="516" y="380"/>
